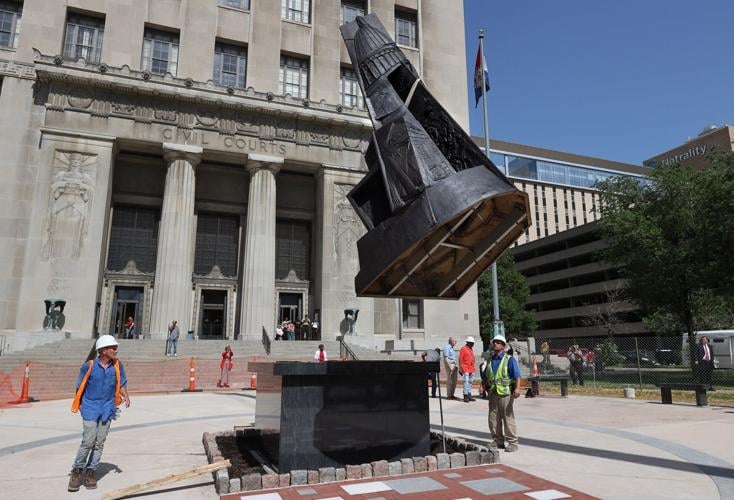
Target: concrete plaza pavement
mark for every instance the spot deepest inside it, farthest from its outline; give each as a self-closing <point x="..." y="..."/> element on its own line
<point x="609" y="448"/>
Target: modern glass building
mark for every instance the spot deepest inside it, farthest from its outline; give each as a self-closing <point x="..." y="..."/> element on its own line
<point x="560" y="185"/>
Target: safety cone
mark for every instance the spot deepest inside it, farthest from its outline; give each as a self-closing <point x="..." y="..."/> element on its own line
<point x="253" y="381"/>
<point x="192" y="377"/>
<point x="536" y="372"/>
<point x="24" y="397"/>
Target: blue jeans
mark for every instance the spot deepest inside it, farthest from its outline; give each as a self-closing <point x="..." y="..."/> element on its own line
<point x="172" y="344"/>
<point x="468" y="378"/>
<point x="93" y="438"/>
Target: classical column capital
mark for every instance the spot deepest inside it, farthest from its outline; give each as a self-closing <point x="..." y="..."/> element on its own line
<point x="173" y="152"/>
<point x="257" y="162"/>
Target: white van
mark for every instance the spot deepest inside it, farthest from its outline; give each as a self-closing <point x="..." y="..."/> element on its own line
<point x="722" y="343"/>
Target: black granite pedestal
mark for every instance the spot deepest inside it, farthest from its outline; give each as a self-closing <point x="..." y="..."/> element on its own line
<point x="343" y="412"/>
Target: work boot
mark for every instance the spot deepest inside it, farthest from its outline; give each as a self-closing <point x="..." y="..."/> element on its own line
<point x="90" y="480"/>
<point x="75" y="479"/>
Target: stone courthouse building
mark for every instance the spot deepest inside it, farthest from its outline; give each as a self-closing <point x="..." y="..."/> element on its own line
<point x="190" y="160"/>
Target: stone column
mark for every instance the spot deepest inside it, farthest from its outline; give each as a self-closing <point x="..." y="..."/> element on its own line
<point x="258" y="290"/>
<point x="176" y="239"/>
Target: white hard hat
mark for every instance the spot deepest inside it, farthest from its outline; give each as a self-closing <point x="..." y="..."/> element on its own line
<point x="470" y="339"/>
<point x="105" y="341"/>
<point x="501" y="338"/>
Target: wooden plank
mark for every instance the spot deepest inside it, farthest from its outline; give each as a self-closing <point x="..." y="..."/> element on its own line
<point x="173" y="478"/>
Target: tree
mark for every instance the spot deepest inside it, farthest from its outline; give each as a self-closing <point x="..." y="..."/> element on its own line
<point x="513" y="297"/>
<point x="609" y="314"/>
<point x="666" y="235"/>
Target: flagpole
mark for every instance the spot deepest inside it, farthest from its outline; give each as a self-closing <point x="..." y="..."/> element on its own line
<point x="495" y="297"/>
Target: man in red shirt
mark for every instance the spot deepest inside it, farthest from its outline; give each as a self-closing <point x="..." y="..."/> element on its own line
<point x="466" y="367"/>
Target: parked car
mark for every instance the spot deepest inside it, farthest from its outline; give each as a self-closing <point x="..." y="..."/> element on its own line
<point x="646" y="358"/>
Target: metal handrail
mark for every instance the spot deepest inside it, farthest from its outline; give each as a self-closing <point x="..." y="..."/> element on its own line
<point x="345" y="352"/>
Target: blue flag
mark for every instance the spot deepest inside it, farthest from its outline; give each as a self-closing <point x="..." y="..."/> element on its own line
<point x="480" y="75"/>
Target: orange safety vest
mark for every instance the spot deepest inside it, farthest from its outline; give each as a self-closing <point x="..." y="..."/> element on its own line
<point x="80" y="391"/>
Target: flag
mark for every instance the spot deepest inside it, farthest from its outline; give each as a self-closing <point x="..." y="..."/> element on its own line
<point x="480" y="75"/>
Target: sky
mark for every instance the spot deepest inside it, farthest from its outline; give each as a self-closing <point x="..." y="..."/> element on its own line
<point x="621" y="80"/>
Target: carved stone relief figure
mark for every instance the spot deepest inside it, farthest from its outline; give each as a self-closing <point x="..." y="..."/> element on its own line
<point x="70" y="200"/>
<point x="347" y="227"/>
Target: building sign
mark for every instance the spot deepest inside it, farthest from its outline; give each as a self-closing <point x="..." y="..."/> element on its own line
<point x="695" y="153"/>
<point x="243" y="144"/>
<point x="678" y="158"/>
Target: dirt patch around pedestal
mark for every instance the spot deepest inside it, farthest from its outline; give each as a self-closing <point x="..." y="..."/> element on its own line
<point x="246" y="453"/>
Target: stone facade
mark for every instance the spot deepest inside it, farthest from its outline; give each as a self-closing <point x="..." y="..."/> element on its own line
<point x="82" y="142"/>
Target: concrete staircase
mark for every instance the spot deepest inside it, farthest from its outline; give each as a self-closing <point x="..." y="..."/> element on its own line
<point x="54" y="367"/>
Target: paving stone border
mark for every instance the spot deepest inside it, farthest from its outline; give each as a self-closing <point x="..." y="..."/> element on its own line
<point x="467" y="454"/>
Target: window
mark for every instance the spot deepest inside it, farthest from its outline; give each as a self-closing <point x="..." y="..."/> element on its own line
<point x="351" y="94"/>
<point x="296" y="10"/>
<point x="160" y="52"/>
<point x="405" y="28"/>
<point x="10" y="13"/>
<point x="412" y="313"/>
<point x="292" y="248"/>
<point x="237" y="4"/>
<point x="133" y="236"/>
<point x="230" y="65"/>
<point x="84" y="36"/>
<point x="293" y="77"/>
<point x="351" y="9"/>
<point x="216" y="243"/>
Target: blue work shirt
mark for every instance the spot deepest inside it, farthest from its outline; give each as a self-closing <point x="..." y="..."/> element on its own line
<point x="98" y="401"/>
<point x="449" y="354"/>
<point x="513" y="369"/>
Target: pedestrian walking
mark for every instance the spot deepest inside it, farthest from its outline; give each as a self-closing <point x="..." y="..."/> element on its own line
<point x="320" y="354"/>
<point x="452" y="369"/>
<point x="576" y="364"/>
<point x="225" y="367"/>
<point x="466" y="367"/>
<point x="100" y="388"/>
<point x="173" y="334"/>
<point x="129" y="328"/>
<point x="704" y="360"/>
<point x="432" y="356"/>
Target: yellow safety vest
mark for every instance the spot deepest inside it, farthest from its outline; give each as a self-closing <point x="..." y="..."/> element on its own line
<point x="500" y="381"/>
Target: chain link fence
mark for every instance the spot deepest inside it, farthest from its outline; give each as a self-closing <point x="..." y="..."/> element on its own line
<point x="631" y="361"/>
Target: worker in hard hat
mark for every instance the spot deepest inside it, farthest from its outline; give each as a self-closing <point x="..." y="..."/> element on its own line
<point x="466" y="367"/>
<point x="503" y="375"/>
<point x="101" y="388"/>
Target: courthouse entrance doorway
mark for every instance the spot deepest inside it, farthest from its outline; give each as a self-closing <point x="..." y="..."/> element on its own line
<point x="290" y="307"/>
<point x="212" y="320"/>
<point x="128" y="303"/>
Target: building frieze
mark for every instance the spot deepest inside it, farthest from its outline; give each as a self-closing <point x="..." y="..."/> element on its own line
<point x="18" y="70"/>
<point x="122" y="93"/>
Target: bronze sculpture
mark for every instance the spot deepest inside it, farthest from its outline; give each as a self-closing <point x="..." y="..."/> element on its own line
<point x="438" y="212"/>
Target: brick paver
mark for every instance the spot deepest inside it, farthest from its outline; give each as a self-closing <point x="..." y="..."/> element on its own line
<point x="482" y="481"/>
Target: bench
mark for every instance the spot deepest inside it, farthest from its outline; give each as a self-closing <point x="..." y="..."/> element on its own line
<point x="701" y="397"/>
<point x="535" y="382"/>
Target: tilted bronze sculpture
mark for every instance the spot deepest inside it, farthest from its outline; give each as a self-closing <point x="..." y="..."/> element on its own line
<point x="438" y="212"/>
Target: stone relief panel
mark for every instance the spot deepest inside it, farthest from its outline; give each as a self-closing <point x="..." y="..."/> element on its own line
<point x="347" y="226"/>
<point x="223" y="118"/>
<point x="10" y="68"/>
<point x="69" y="204"/>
